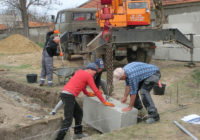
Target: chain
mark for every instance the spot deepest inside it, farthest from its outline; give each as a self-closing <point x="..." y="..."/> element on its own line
<point x="109" y="67"/>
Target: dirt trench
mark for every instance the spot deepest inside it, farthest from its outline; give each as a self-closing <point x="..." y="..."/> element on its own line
<point x="24" y="127"/>
<point x="45" y="97"/>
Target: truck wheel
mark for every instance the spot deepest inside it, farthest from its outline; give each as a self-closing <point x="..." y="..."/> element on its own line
<point x="67" y="56"/>
<point x="142" y="56"/>
<point x="119" y="58"/>
<point x="131" y="55"/>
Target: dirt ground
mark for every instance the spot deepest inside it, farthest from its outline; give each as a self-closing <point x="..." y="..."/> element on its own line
<point x="17" y="109"/>
<point x="181" y="97"/>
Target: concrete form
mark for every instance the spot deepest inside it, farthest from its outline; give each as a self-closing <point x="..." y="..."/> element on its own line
<point x="107" y="119"/>
<point x="174" y="52"/>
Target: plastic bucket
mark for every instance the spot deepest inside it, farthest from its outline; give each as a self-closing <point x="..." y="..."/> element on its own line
<point x="159" y="91"/>
<point x="31" y="78"/>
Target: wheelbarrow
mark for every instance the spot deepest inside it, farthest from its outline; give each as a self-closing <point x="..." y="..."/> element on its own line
<point x="65" y="73"/>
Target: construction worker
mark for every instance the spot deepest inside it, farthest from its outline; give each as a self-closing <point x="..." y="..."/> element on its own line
<point x="98" y="82"/>
<point x="71" y="90"/>
<point x="97" y="78"/>
<point x="139" y="76"/>
<point x="49" y="51"/>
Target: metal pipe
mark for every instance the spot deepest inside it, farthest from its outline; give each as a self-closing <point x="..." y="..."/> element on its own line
<point x="185" y="130"/>
<point x="177" y="94"/>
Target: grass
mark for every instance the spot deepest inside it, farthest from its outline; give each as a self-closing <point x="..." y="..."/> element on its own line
<point x="196" y="75"/>
<point x="187" y="89"/>
<point x="41" y="44"/>
<point x="16" y="67"/>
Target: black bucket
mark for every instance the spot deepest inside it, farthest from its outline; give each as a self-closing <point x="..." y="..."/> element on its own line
<point x="31" y="78"/>
<point x="159" y="91"/>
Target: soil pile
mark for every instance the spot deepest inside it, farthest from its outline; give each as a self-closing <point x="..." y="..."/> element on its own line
<point x="15" y="44"/>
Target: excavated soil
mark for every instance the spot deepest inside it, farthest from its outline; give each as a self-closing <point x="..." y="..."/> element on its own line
<point x="17" y="44"/>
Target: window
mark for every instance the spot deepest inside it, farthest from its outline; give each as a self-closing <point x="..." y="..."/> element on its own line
<point x="58" y="18"/>
<point x="62" y="18"/>
<point x="83" y="16"/>
<point x="137" y="5"/>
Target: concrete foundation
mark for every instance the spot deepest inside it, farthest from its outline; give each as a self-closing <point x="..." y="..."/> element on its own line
<point x="107" y="119"/>
<point x="176" y="53"/>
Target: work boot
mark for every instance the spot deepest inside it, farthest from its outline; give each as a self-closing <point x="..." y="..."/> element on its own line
<point x="50" y="84"/>
<point x="142" y="115"/>
<point x="79" y="136"/>
<point x="41" y="82"/>
<point x="153" y="119"/>
<point x="52" y="113"/>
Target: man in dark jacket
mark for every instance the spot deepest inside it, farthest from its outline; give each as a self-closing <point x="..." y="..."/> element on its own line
<point x="49" y="51"/>
<point x="97" y="78"/>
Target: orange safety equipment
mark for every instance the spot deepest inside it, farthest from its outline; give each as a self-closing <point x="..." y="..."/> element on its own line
<point x="61" y="54"/>
<point x="108" y="104"/>
<point x="91" y="94"/>
<point x="56" y="32"/>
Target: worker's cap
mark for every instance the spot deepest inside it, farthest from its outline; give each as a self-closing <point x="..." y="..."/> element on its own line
<point x="56" y="32"/>
<point x="117" y="74"/>
<point x="99" y="63"/>
<point x="92" y="66"/>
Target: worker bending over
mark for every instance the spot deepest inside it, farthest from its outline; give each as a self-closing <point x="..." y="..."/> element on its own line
<point x="98" y="82"/>
<point x="71" y="90"/>
<point x="139" y="76"/>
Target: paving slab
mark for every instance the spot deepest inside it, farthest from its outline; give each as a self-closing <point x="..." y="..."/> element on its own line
<point x="107" y="119"/>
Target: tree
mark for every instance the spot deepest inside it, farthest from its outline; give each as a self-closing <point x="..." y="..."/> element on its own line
<point x="23" y="6"/>
<point x="159" y="13"/>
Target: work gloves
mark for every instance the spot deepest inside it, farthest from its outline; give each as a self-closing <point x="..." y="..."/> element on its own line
<point x="91" y="94"/>
<point x="108" y="104"/>
<point x="61" y="54"/>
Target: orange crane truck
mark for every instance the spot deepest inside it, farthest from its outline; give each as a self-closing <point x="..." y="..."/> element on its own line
<point x="128" y="28"/>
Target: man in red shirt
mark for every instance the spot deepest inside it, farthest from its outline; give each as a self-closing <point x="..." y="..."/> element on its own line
<point x="72" y="89"/>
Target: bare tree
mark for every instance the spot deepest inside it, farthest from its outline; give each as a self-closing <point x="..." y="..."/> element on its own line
<point x="23" y="6"/>
<point x="159" y="13"/>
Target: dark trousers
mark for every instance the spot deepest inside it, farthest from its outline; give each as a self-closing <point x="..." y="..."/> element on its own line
<point x="145" y="87"/>
<point x="71" y="109"/>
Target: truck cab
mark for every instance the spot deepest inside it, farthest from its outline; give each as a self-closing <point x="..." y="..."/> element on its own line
<point x="76" y="19"/>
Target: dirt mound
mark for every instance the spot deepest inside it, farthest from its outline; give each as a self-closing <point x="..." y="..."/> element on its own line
<point x="16" y="43"/>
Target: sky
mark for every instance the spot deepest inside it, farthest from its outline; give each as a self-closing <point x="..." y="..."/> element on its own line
<point x="54" y="7"/>
<point x="65" y="4"/>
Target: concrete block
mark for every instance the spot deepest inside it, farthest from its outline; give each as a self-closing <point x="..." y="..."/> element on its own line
<point x="107" y="119"/>
<point x="180" y="54"/>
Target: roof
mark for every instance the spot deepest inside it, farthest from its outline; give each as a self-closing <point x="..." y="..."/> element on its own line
<point x="96" y="3"/>
<point x="173" y="2"/>
<point x="90" y="4"/>
<point x="79" y="9"/>
<point x="39" y="24"/>
<point x="34" y="24"/>
<point x="2" y="26"/>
